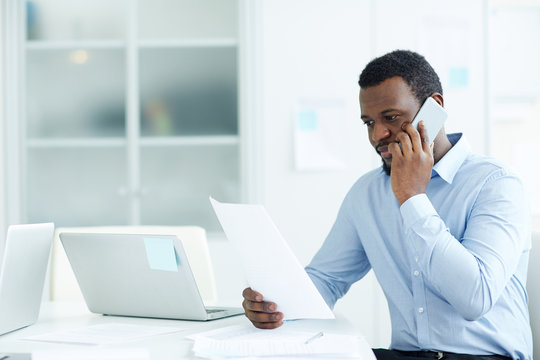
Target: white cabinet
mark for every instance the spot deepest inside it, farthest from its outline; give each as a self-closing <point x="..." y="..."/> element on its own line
<point x="129" y="111"/>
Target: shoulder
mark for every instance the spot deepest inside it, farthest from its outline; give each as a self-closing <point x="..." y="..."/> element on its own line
<point x="368" y="181"/>
<point x="368" y="185"/>
<point x="487" y="179"/>
<point x="485" y="168"/>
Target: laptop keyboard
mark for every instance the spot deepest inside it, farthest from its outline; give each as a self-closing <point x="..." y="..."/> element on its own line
<point x="212" y="311"/>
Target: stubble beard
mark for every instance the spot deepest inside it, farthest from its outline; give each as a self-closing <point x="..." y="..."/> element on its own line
<point x="387" y="168"/>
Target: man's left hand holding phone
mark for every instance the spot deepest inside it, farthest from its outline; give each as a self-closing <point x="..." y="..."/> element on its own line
<point x="412" y="153"/>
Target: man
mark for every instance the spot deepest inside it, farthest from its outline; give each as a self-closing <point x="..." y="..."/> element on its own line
<point x="446" y="231"/>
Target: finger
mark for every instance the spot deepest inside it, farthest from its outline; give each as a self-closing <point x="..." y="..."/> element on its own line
<point x="272" y="325"/>
<point x="260" y="306"/>
<point x="261" y="317"/>
<point x="405" y="141"/>
<point x="424" y="136"/>
<point x="395" y="150"/>
<point x="414" y="135"/>
<point x="252" y="295"/>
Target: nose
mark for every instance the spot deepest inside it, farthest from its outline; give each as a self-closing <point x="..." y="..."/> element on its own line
<point x="380" y="132"/>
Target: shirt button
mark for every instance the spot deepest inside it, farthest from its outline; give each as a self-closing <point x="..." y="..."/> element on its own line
<point x="421" y="310"/>
<point x="416" y="273"/>
<point x="416" y="258"/>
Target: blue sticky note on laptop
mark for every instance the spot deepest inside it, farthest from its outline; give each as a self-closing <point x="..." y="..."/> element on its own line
<point x="160" y="254"/>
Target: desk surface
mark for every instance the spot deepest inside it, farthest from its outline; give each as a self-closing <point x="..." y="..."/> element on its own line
<point x="63" y="316"/>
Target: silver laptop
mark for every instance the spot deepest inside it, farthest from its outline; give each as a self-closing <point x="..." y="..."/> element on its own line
<point x="22" y="274"/>
<point x="137" y="275"/>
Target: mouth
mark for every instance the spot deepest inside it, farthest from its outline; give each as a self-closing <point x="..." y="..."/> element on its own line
<point x="383" y="151"/>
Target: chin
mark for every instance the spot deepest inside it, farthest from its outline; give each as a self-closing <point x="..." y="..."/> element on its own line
<point x="386" y="167"/>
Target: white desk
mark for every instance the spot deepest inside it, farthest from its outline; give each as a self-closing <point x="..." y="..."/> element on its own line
<point x="63" y="316"/>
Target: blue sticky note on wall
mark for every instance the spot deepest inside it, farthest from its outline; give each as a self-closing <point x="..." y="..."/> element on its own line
<point x="307" y="120"/>
<point x="459" y="77"/>
<point x="160" y="254"/>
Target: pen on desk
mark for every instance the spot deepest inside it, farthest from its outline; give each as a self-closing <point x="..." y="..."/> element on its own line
<point x="314" y="337"/>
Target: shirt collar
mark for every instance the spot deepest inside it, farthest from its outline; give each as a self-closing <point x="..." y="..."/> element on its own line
<point x="449" y="164"/>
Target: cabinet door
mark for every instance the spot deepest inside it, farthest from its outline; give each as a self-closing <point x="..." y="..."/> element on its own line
<point x="90" y="156"/>
<point x="74" y="140"/>
<point x="188" y="110"/>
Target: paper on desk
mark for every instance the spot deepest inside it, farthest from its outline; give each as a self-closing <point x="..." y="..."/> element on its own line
<point x="103" y="334"/>
<point x="249" y="332"/>
<point x="270" y="266"/>
<point x="92" y="354"/>
<point x="245" y="341"/>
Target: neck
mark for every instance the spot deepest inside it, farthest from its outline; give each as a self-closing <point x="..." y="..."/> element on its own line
<point x="441" y="147"/>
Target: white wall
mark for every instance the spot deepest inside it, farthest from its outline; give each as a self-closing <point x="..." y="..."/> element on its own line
<point x="450" y="34"/>
<point x="310" y="52"/>
<point x="2" y="176"/>
<point x="315" y="51"/>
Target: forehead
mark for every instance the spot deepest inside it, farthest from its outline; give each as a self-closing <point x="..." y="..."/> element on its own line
<point x="391" y="93"/>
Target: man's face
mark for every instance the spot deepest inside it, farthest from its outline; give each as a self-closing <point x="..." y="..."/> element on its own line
<point x="384" y="108"/>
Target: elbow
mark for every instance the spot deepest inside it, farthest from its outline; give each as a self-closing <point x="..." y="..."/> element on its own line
<point x="474" y="307"/>
<point x="473" y="313"/>
<point x="475" y="299"/>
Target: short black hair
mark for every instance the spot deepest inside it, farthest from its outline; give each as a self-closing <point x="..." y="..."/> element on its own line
<point x="411" y="66"/>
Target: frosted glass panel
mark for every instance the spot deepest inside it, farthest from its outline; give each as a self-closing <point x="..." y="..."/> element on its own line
<point x="177" y="182"/>
<point x="75" y="187"/>
<point x="514" y="59"/>
<point x="187" y="18"/>
<point x="75" y="19"/>
<point x="77" y="93"/>
<point x="514" y="52"/>
<point x="188" y="91"/>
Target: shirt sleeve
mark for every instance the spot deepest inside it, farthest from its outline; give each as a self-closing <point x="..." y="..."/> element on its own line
<point x="340" y="261"/>
<point x="472" y="272"/>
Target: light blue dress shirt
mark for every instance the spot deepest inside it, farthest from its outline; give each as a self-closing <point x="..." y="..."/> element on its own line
<point x="452" y="262"/>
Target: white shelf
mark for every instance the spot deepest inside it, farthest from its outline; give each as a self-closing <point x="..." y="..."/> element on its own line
<point x="75" y="143"/>
<point x="188" y="43"/>
<point x="74" y="44"/>
<point x="154" y="141"/>
<point x="189" y="140"/>
<point x="120" y="44"/>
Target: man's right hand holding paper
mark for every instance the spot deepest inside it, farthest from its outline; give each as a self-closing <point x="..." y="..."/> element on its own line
<point x="261" y="313"/>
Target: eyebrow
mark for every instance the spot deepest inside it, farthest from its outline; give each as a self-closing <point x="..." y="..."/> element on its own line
<point x="382" y="113"/>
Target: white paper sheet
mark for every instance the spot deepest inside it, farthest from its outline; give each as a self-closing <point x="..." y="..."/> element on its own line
<point x="92" y="354"/>
<point x="249" y="332"/>
<point x="245" y="340"/>
<point x="270" y="266"/>
<point x="103" y="334"/>
<point x="319" y="135"/>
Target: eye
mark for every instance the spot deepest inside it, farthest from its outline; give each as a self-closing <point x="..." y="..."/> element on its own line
<point x="390" y="117"/>
<point x="369" y="123"/>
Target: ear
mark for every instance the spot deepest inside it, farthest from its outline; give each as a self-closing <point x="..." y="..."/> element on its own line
<point x="438" y="98"/>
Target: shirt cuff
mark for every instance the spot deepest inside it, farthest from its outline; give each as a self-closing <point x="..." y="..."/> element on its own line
<point x="416" y="208"/>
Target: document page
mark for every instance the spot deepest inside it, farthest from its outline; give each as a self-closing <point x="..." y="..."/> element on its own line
<point x="103" y="334"/>
<point x="91" y="354"/>
<point x="247" y="341"/>
<point x="270" y="266"/>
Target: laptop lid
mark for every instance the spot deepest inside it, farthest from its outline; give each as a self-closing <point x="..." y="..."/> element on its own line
<point x="22" y="274"/>
<point x="136" y="275"/>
